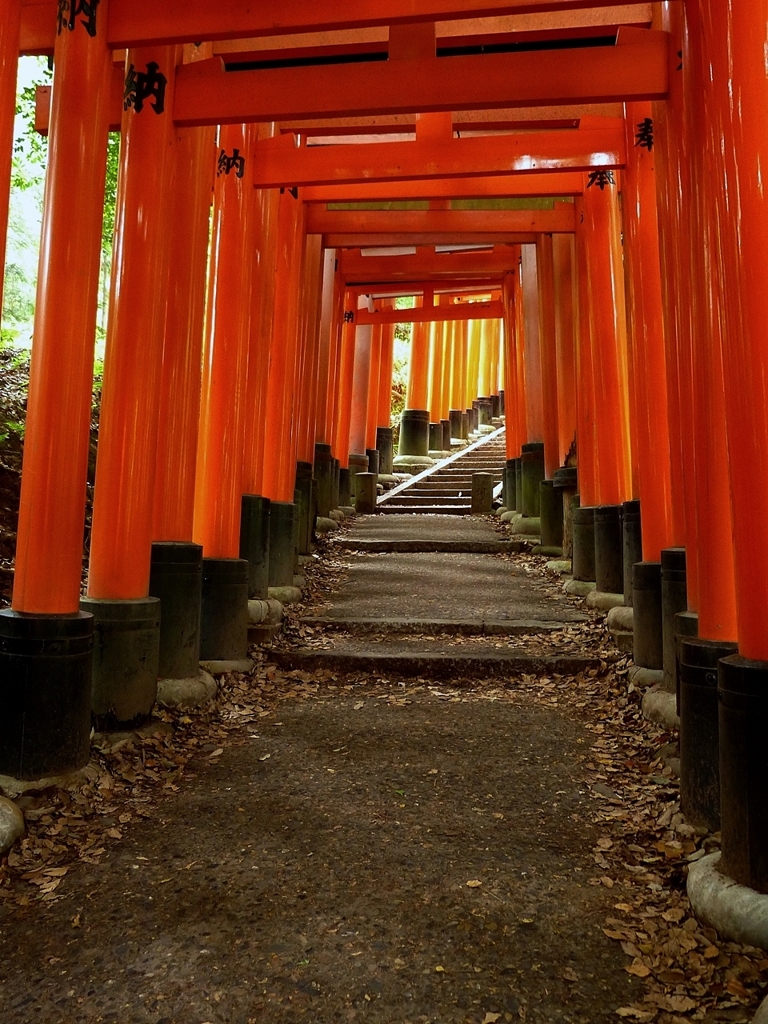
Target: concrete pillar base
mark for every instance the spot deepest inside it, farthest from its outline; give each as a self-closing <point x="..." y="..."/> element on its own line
<point x="254" y="543"/>
<point x="126" y="658"/>
<point x="584" y="544"/>
<point x="738" y="913"/>
<point x="305" y="517"/>
<point x="335" y="483"/>
<point x="435" y="438"/>
<point x="647" y="648"/>
<point x="482" y="494"/>
<point x="508" y="489"/>
<point x="45" y="693"/>
<point x="609" y="550"/>
<point x="191" y="692"/>
<point x="446" y="425"/>
<point x="495" y="406"/>
<point x="484" y="408"/>
<point x="224" y="634"/>
<point x="699" y="732"/>
<point x="344" y="495"/>
<point x="281" y="543"/>
<point x="176" y="580"/>
<point x="414" y="432"/>
<point x="373" y="460"/>
<point x="358" y="463"/>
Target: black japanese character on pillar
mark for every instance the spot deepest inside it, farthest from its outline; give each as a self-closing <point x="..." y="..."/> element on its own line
<point x="68" y="11"/>
<point x="349" y="316"/>
<point x="601" y="179"/>
<point x="145" y="85"/>
<point x="644" y="134"/>
<point x="227" y="164"/>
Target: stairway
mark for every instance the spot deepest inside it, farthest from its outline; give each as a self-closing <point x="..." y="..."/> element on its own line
<point x="446" y="488"/>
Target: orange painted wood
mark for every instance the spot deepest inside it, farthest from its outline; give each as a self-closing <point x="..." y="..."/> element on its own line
<point x="422" y="266"/>
<point x="206" y="94"/>
<point x="372" y="413"/>
<point x="346" y="373"/>
<point x="563" y="251"/>
<point x="417" y="394"/>
<point x="742" y="248"/>
<point x="646" y="326"/>
<point x="121" y="537"/>
<point x="264" y="210"/>
<point x="605" y="284"/>
<point x="440" y="222"/>
<point x="49" y="548"/>
<point x="513" y="436"/>
<point x="545" y="265"/>
<point x="445" y="384"/>
<point x="484" y="364"/>
<point x="219" y="484"/>
<point x="434" y="314"/>
<point x="327" y="297"/>
<point x="473" y="361"/>
<point x="307" y="411"/>
<point x="141" y="22"/>
<point x="459" y="372"/>
<point x="334" y="358"/>
<point x="174" y="490"/>
<point x="551" y="183"/>
<point x="436" y="357"/>
<point x="519" y="152"/>
<point x="522" y="395"/>
<point x="534" y="393"/>
<point x="384" y="415"/>
<point x="586" y="429"/>
<point x="10" y="27"/>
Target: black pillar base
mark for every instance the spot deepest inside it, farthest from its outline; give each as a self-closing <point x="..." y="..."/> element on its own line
<point x="518" y="485"/>
<point x="373" y="460"/>
<point x="225" y="610"/>
<point x="358" y="463"/>
<point x="281" y="543"/>
<point x="305" y="489"/>
<point x="551" y="505"/>
<point x="633" y="544"/>
<point x="532" y="468"/>
<point x="495" y="406"/>
<point x="45" y="693"/>
<point x="648" y="651"/>
<point x="435" y="437"/>
<point x="674" y="599"/>
<point x="484" y="411"/>
<point x="609" y="550"/>
<point x="566" y="481"/>
<point x="254" y="544"/>
<point x="323" y="473"/>
<point x="508" y="493"/>
<point x="386" y="454"/>
<point x="699" y="742"/>
<point x="345" y="489"/>
<point x="176" y="580"/>
<point x="446" y="425"/>
<point x="126" y="659"/>
<point x="465" y="426"/>
<point x="414" y="432"/>
<point x="584" y="544"/>
<point x="743" y="725"/>
<point x="335" y="484"/>
<point x="454" y="418"/>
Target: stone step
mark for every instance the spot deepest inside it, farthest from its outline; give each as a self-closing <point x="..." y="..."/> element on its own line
<point x="438" y="510"/>
<point x="436" y="627"/>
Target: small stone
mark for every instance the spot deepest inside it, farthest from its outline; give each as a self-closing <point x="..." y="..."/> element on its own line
<point x="285" y="595"/>
<point x="187" y="693"/>
<point x="602" y="602"/>
<point x="621" y="619"/>
<point x="660" y="707"/>
<point x="323" y="525"/>
<point x="579" y="588"/>
<point x="11" y="824"/>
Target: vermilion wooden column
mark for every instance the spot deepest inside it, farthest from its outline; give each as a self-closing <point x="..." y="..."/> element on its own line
<point x="264" y="207"/>
<point x="345" y="378"/>
<point x="673" y="161"/>
<point x="174" y="491"/>
<point x="547" y="330"/>
<point x="563" y="253"/>
<point x="307" y="412"/>
<point x="473" y="360"/>
<point x="522" y="398"/>
<point x="459" y="374"/>
<point x="646" y="325"/>
<point x="384" y="414"/>
<point x="125" y="468"/>
<point x="372" y="414"/>
<point x="219" y="485"/>
<point x="361" y="383"/>
<point x="530" y="310"/>
<point x="484" y="364"/>
<point x="327" y="304"/>
<point x="493" y="334"/>
<point x="737" y="94"/>
<point x="605" y="284"/>
<point x="512" y="433"/>
<point x="334" y="359"/>
<point x="418" y="370"/>
<point x="449" y="336"/>
<point x="10" y="27"/>
<point x="436" y="355"/>
<point x="586" y="443"/>
<point x="279" y="461"/>
<point x="49" y="550"/>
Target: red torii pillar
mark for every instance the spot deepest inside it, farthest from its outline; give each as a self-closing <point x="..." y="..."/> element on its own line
<point x="46" y="724"/>
<point x="127" y="619"/>
<point x="328" y="357"/>
<point x="10" y="28"/>
<point x="176" y="569"/>
<point x="384" y="408"/>
<point x="414" y="422"/>
<point x="564" y="256"/>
